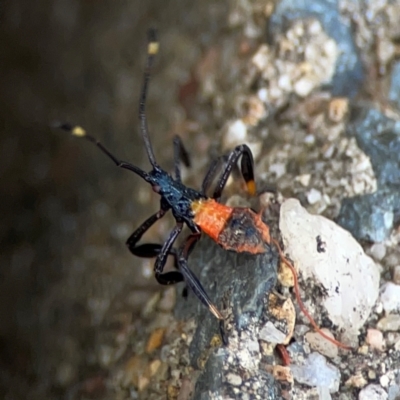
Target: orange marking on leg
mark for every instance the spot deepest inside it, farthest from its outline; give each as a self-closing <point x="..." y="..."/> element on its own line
<point x="300" y="302"/>
<point x="211" y="216"/>
<point x="251" y="188"/>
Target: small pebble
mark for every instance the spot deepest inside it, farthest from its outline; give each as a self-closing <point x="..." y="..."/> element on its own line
<point x="372" y="392"/>
<point x="262" y="57"/>
<point x="394" y="392"/>
<point x="263" y="94"/>
<point x="375" y="339"/>
<point x="168" y="300"/>
<point x="278" y="168"/>
<point x="378" y="251"/>
<point x="304" y="179"/>
<point x="134" y="369"/>
<point x="392" y="338"/>
<point x="255" y="148"/>
<point x="371" y="375"/>
<point x="187" y="388"/>
<point x="175" y="373"/>
<point x="364" y="349"/>
<point x="320" y="344"/>
<point x="337" y="109"/>
<point x="106" y="355"/>
<point x="396" y="274"/>
<point x="151" y="304"/>
<point x="389" y="323"/>
<point x="390" y="297"/>
<point x="172" y="392"/>
<point x="235" y="133"/>
<point x="234" y="379"/>
<point x="317" y="372"/>
<point x="66" y="373"/>
<point x="282" y="373"/>
<point x="385" y="50"/>
<point x="143" y="382"/>
<point x="285" y="276"/>
<point x="155" y="340"/>
<point x="314" y="196"/>
<point x="271" y="334"/>
<point x="255" y="111"/>
<point x="378" y="308"/>
<point x="309" y="139"/>
<point x="154" y="367"/>
<point x="384" y="381"/>
<point x="357" y="381"/>
<point x="304" y="86"/>
<point x="285" y="83"/>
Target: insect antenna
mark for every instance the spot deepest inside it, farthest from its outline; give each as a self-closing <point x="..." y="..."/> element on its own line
<point x="152" y="50"/>
<point x="80" y="132"/>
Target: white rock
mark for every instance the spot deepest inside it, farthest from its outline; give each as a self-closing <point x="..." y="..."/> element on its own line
<point x="285" y="83"/>
<point x="320" y="344"/>
<point x="234" y="379"/>
<point x="309" y="139"/>
<point x="375" y="339"/>
<point x="389" y="323"/>
<point x="263" y="95"/>
<point x="304" y="86"/>
<point x="314" y="196"/>
<point x="378" y="251"/>
<point x="262" y="58"/>
<point x="255" y="148"/>
<point x="323" y="393"/>
<point x="235" y="132"/>
<point x="278" y="168"/>
<point x="271" y="334"/>
<point x="372" y="392"/>
<point x="390" y="297"/>
<point x="304" y="179"/>
<point x="396" y="274"/>
<point x="350" y="278"/>
<point x="317" y="372"/>
<point x="384" y="381"/>
<point x="394" y="392"/>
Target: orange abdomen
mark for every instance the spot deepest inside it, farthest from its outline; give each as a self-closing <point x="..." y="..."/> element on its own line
<point x="211" y="216"/>
<point x="233" y="228"/>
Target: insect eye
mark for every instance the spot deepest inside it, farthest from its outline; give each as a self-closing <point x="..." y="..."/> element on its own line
<point x="156" y="188"/>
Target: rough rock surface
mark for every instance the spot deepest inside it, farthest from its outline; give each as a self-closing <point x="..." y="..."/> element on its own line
<point x="348" y="277"/>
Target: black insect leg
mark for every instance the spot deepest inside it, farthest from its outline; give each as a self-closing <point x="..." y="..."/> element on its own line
<point x="180" y="154"/>
<point x="168" y="278"/>
<point x="246" y="167"/>
<point x="210" y="175"/>
<point x="191" y="279"/>
<point x="197" y="288"/>
<point x="149" y="250"/>
<point x="193" y="282"/>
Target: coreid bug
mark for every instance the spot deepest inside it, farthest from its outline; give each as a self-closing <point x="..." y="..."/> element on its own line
<point x="233" y="228"/>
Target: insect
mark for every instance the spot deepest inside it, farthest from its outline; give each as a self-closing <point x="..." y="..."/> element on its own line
<point x="233" y="228"/>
